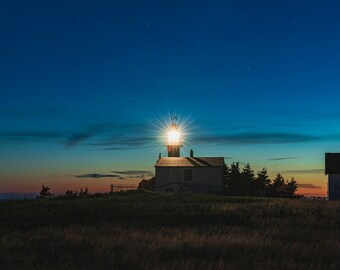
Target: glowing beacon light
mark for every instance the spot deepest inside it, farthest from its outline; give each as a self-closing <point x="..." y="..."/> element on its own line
<point x="173" y="136"/>
<point x="174" y="139"/>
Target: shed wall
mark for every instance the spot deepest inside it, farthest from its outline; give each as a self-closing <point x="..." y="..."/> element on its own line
<point x="332" y="163"/>
<point x="334" y="186"/>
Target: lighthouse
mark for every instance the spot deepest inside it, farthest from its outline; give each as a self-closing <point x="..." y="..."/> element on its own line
<point x="186" y="174"/>
<point x="174" y="139"/>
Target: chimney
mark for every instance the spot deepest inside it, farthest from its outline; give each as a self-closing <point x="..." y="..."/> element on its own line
<point x="191" y="153"/>
<point x="159" y="156"/>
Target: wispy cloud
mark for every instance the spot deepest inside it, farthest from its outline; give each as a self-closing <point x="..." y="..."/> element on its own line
<point x="116" y="148"/>
<point x="97" y="175"/>
<point x="77" y="138"/>
<point x="282" y="158"/>
<point x="132" y="172"/>
<point x="121" y="142"/>
<point x="115" y="136"/>
<point x="124" y="136"/>
<point x="309" y="185"/>
<point x="118" y="174"/>
<point x="255" y="138"/>
<point x="306" y="171"/>
<point x="94" y="130"/>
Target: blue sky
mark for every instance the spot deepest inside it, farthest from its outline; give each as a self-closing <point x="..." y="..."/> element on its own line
<point x="87" y="85"/>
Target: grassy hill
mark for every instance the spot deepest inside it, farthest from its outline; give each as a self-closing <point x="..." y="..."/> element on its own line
<point x="136" y="230"/>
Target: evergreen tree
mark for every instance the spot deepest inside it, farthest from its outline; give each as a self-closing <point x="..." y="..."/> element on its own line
<point x="291" y="187"/>
<point x="278" y="186"/>
<point x="233" y="179"/>
<point x="226" y="174"/>
<point x="279" y="181"/>
<point x="262" y="183"/>
<point x="247" y="180"/>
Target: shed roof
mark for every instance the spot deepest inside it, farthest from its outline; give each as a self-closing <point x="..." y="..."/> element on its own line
<point x="332" y="163"/>
<point x="190" y="162"/>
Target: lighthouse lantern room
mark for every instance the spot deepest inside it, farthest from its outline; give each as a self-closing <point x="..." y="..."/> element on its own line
<point x="174" y="139"/>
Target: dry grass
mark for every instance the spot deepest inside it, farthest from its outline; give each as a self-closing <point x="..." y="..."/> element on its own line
<point x="163" y="231"/>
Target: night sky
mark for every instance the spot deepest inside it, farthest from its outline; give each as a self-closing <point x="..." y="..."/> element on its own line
<point x="86" y="88"/>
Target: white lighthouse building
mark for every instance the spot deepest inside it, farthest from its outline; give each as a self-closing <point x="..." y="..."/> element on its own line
<point x="187" y="174"/>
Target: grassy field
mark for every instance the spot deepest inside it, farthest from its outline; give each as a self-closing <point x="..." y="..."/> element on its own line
<point x="137" y="230"/>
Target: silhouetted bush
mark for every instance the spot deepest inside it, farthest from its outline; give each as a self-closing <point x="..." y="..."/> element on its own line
<point x="45" y="193"/>
<point x="72" y="194"/>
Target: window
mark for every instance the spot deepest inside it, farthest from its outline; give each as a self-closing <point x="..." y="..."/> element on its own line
<point x="187" y="175"/>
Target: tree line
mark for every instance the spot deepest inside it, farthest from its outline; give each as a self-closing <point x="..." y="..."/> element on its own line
<point x="245" y="182"/>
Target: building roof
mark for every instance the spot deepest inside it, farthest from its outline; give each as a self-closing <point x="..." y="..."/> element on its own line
<point x="190" y="162"/>
<point x="332" y="163"/>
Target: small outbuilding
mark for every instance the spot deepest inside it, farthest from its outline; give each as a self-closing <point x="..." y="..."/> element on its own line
<point x="332" y="169"/>
<point x="189" y="174"/>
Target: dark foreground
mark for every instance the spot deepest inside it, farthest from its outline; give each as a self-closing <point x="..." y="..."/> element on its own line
<point x="165" y="231"/>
